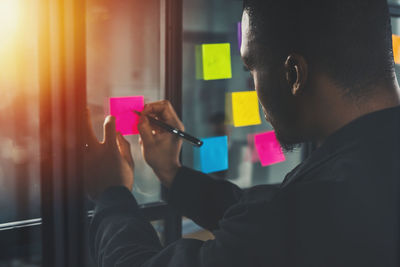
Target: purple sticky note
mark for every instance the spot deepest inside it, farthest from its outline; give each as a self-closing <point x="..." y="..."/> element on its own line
<point x="239" y="34"/>
<point x="268" y="148"/>
<point x="122" y="109"/>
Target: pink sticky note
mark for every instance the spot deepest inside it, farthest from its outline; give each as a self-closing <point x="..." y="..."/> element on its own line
<point x="252" y="154"/>
<point x="122" y="109"/>
<point x="268" y="148"/>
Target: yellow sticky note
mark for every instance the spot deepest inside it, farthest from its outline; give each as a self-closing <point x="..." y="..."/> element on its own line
<point x="245" y="109"/>
<point x="396" y="48"/>
<point x="216" y="61"/>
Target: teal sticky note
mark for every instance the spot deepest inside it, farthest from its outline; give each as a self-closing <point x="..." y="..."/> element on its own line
<point x="212" y="156"/>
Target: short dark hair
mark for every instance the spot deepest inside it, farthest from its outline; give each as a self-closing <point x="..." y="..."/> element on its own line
<point x="351" y="40"/>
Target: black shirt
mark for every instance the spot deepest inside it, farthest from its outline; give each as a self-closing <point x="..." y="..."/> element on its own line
<point x="340" y="207"/>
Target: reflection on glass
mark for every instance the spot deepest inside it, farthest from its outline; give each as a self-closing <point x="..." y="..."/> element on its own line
<point x="19" y="111"/>
<point x="124" y="59"/>
<point x="19" y="131"/>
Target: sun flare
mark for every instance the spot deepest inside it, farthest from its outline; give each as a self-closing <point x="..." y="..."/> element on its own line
<point x="9" y="17"/>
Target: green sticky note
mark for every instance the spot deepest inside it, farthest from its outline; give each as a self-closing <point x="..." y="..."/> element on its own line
<point x="245" y="109"/>
<point x="216" y="61"/>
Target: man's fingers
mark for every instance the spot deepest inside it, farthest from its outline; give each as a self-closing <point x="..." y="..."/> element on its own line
<point x="110" y="134"/>
<point x="165" y="112"/>
<point x="145" y="130"/>
<point x="163" y="109"/>
<point x="125" y="149"/>
<point x="90" y="137"/>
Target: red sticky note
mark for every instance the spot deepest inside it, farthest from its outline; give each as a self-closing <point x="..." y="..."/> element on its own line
<point x="122" y="109"/>
<point x="268" y="148"/>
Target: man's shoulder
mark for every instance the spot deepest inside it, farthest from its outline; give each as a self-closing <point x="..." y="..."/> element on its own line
<point x="259" y="193"/>
<point x="357" y="166"/>
<point x="336" y="171"/>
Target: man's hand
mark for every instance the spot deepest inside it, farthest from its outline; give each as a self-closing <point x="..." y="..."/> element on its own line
<point x="108" y="163"/>
<point x="160" y="148"/>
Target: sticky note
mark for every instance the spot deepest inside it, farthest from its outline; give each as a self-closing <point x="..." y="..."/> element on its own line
<point x="245" y="109"/>
<point x="239" y="34"/>
<point x="396" y="48"/>
<point x="252" y="154"/>
<point x="268" y="148"/>
<point x="212" y="156"/>
<point x="122" y="109"/>
<point x="216" y="61"/>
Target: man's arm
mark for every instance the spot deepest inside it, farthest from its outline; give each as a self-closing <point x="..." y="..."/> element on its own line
<point x="120" y="236"/>
<point x="119" y="233"/>
<point x="195" y="195"/>
<point x="301" y="225"/>
<point x="202" y="198"/>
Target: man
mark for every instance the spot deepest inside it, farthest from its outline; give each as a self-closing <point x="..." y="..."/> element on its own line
<point x="324" y="72"/>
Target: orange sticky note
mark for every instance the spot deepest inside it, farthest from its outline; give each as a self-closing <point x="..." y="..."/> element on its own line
<point x="396" y="48"/>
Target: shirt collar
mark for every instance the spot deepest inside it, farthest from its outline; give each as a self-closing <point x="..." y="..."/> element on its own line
<point x="358" y="131"/>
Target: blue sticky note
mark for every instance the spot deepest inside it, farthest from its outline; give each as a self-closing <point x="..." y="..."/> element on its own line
<point x="212" y="156"/>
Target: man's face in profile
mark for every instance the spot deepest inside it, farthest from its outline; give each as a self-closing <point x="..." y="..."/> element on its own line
<point x="277" y="103"/>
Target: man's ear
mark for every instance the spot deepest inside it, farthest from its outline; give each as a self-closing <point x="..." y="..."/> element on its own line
<point x="296" y="70"/>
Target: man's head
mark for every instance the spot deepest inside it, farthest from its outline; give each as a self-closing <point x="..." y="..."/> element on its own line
<point x="295" y="48"/>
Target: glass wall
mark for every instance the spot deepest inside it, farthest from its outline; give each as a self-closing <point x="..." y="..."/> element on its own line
<point x="19" y="131"/>
<point x="207" y="111"/>
<point x="19" y="111"/>
<point x="124" y="58"/>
